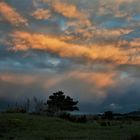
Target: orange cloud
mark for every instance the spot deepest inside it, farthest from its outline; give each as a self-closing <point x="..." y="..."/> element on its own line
<point x="132" y="49"/>
<point x="113" y="6"/>
<point x="14" y="85"/>
<point x="100" y="80"/>
<point x="67" y="10"/>
<point x="10" y="15"/>
<point x="17" y="78"/>
<point x="96" y="33"/>
<point x="24" y="41"/>
<point x="112" y="32"/>
<point x="41" y="14"/>
<point x="135" y="43"/>
<point x="89" y="84"/>
<point x="93" y="83"/>
<point x="70" y="11"/>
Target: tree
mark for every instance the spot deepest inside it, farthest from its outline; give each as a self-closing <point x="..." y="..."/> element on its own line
<point x="58" y="103"/>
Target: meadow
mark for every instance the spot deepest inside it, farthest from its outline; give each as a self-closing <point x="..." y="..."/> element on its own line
<point x="34" y="127"/>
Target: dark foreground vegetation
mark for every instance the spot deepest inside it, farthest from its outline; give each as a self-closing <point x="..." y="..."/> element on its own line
<point x="35" y="127"/>
<point x="51" y="120"/>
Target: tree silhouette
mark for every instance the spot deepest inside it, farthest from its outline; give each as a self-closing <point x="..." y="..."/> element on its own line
<point x="58" y="103"/>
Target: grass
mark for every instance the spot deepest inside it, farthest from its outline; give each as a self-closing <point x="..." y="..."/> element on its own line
<point x="31" y="127"/>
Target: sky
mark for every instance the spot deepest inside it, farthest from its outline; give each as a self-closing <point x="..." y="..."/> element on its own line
<point x="90" y="49"/>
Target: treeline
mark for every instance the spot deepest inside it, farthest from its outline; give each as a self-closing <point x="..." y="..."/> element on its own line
<point x="60" y="105"/>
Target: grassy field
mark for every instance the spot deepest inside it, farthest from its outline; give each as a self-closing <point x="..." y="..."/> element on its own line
<point x="31" y="127"/>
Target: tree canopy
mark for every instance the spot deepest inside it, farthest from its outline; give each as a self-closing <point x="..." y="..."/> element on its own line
<point x="59" y="102"/>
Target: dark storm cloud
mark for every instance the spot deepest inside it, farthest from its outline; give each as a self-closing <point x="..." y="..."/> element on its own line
<point x="127" y="98"/>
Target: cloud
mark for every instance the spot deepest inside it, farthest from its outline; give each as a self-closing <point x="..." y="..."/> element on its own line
<point x="89" y="87"/>
<point x="24" y="41"/>
<point x="66" y="9"/>
<point x="110" y="6"/>
<point x="10" y="15"/>
<point x="100" y="79"/>
<point x="78" y="18"/>
<point x="96" y="35"/>
<point x="41" y="14"/>
<point x="11" y="78"/>
<point x="18" y="86"/>
<point x="86" y="85"/>
<point x="92" y="83"/>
